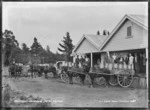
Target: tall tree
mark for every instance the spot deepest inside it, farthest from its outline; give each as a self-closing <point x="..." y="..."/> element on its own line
<point x="66" y="46"/>
<point x="9" y="44"/>
<point x="48" y="49"/>
<point x="36" y="48"/>
<point x="25" y="48"/>
<point x="98" y="33"/>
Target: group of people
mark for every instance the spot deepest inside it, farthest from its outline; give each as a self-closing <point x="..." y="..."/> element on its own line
<point x="137" y="61"/>
<point x="83" y="61"/>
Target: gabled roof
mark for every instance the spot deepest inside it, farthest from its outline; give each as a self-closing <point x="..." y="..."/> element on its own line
<point x="96" y="40"/>
<point x="140" y="20"/>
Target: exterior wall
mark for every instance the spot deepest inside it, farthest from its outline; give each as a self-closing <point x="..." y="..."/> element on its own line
<point x="86" y="47"/>
<point x="120" y="41"/>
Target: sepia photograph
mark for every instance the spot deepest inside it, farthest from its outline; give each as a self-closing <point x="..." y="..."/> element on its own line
<point x="74" y="54"/>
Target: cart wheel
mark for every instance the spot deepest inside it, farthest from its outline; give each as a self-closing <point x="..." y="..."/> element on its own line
<point x="125" y="78"/>
<point x="100" y="80"/>
<point x="50" y="74"/>
<point x="64" y="77"/>
<point x="113" y="80"/>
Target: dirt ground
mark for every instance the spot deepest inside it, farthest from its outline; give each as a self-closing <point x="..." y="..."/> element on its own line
<point x="61" y="94"/>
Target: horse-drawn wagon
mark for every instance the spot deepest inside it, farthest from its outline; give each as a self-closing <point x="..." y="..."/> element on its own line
<point x="15" y="70"/>
<point x="113" y="74"/>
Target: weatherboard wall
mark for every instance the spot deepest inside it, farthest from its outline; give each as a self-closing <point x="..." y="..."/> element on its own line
<point x="120" y="41"/>
<point x="86" y="47"/>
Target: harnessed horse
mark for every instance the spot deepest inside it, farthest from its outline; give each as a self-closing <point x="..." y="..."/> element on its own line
<point x="15" y="70"/>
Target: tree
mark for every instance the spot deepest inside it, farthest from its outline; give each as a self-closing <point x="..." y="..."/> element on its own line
<point x="9" y="44"/>
<point x="66" y="46"/>
<point x="36" y="48"/>
<point x="98" y="33"/>
<point x="25" y="48"/>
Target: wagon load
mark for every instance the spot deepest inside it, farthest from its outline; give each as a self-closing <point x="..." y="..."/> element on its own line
<point x="76" y="69"/>
<point x="101" y="70"/>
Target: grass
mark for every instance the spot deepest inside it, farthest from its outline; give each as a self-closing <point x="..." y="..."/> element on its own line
<point x="10" y="95"/>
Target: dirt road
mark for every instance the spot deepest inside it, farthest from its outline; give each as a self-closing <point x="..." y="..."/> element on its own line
<point x="65" y="95"/>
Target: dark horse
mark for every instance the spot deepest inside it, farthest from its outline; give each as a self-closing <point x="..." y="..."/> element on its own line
<point x="85" y="71"/>
<point x="38" y="70"/>
<point x="35" y="70"/>
<point x="76" y="72"/>
<point x="47" y="70"/>
<point x="15" y="70"/>
<point x="95" y="74"/>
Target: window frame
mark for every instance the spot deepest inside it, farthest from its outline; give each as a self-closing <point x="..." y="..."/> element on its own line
<point x="129" y="36"/>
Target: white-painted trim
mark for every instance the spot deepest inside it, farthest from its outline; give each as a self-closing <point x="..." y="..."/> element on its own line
<point x="85" y="37"/>
<point x="124" y="50"/>
<point x="91" y="59"/>
<point x="119" y="25"/>
<point x="137" y="22"/>
<point x="79" y="43"/>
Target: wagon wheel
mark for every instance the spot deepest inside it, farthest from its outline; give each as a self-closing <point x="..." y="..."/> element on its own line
<point x="113" y="80"/>
<point x="50" y="74"/>
<point x="125" y="78"/>
<point x="100" y="80"/>
<point x="64" y="77"/>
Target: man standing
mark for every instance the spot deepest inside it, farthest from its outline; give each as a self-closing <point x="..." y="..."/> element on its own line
<point x="136" y="64"/>
<point x="82" y="61"/>
<point x="87" y="61"/>
<point x="131" y="60"/>
<point x="77" y="62"/>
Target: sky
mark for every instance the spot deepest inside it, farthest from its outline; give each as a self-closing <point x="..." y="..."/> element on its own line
<point x="49" y="21"/>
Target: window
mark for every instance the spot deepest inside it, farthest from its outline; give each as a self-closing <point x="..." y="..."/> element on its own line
<point x="129" y="31"/>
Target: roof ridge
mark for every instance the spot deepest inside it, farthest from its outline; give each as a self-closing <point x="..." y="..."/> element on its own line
<point x="136" y="15"/>
<point x="127" y="16"/>
<point x="94" y="35"/>
<point x="92" y="41"/>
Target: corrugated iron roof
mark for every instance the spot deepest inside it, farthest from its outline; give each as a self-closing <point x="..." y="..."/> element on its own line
<point x="96" y="39"/>
<point x="140" y="20"/>
<point x="99" y="41"/>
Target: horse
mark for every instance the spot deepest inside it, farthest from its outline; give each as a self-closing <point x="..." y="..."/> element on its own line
<point x="11" y="71"/>
<point x="15" y="71"/>
<point x="33" y="70"/>
<point x="49" y="70"/>
<point x="76" y="72"/>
